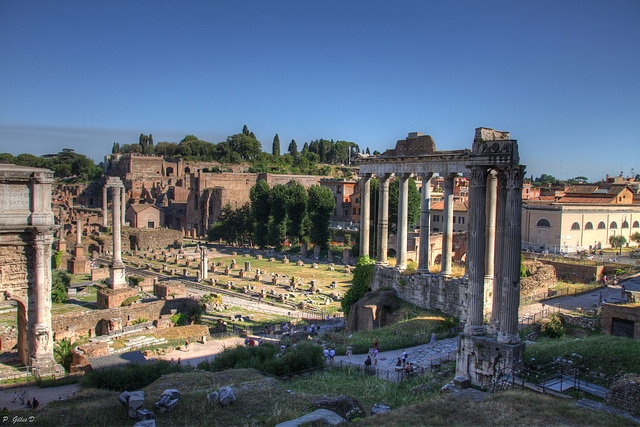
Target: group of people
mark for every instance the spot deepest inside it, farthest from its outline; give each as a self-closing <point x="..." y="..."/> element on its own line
<point x="33" y="404"/>
<point x="330" y="354"/>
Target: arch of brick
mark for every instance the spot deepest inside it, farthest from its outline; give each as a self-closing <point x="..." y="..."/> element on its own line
<point x="495" y="176"/>
<point x="26" y="234"/>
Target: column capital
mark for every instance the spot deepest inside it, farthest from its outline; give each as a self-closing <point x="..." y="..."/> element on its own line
<point x="425" y="176"/>
<point x="514" y="176"/>
<point x="384" y="176"/>
<point x="478" y="176"/>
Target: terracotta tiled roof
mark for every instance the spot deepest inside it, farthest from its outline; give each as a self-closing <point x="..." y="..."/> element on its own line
<point x="589" y="200"/>
<point x="139" y="207"/>
<point x="457" y="206"/>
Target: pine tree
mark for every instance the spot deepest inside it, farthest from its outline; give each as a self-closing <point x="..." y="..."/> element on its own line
<point x="252" y="135"/>
<point x="368" y="152"/>
<point x="245" y="130"/>
<point x="276" y="146"/>
<point x="150" y="140"/>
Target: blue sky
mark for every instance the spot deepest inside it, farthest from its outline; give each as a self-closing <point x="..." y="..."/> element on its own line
<point x="561" y="76"/>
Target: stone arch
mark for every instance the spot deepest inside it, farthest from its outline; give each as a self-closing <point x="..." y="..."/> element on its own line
<point x="613" y="225"/>
<point x="625" y="224"/>
<point x="601" y="225"/>
<point x="543" y="222"/>
<point x="575" y="226"/>
<point x="187" y="170"/>
<point x="588" y="226"/>
<point x="169" y="171"/>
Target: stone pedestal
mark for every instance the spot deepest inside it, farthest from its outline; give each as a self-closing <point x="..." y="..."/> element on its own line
<point x="112" y="298"/>
<point x="483" y="359"/>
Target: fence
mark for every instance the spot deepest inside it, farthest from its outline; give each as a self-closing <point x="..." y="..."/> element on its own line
<point x="556" y="378"/>
<point x="523" y="322"/>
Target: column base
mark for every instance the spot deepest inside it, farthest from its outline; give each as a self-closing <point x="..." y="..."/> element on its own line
<point x="43" y="365"/>
<point x="117" y="276"/>
<point x="474" y="330"/>
<point x="508" y="338"/>
<point x="484" y="360"/>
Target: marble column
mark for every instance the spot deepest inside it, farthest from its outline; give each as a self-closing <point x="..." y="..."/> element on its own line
<point x="511" y="256"/>
<point x="447" y="235"/>
<point x="123" y="205"/>
<point x="78" y="232"/>
<point x="117" y="268"/>
<point x="383" y="219"/>
<point x="403" y="219"/>
<point x="490" y="230"/>
<point x="365" y="212"/>
<point x="41" y="337"/>
<point x="424" y="257"/>
<point x="104" y="206"/>
<point x="476" y="250"/>
<point x="498" y="276"/>
<point x="204" y="263"/>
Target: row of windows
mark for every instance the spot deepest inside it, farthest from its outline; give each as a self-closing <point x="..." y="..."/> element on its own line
<point x="436" y="218"/>
<point x="543" y="222"/>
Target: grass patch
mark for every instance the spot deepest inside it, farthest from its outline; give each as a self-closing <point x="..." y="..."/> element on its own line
<point x="512" y="408"/>
<point x="604" y="353"/>
<point x="132" y="376"/>
<point x="411" y="326"/>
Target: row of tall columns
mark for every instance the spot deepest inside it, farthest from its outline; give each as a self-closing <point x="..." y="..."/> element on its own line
<point x="402" y="225"/>
<point x="503" y="253"/>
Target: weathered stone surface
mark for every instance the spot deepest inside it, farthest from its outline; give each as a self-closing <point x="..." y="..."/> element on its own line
<point x="124" y="398"/>
<point x="471" y="394"/>
<point x="213" y="398"/>
<point x="625" y="394"/>
<point x="146" y="423"/>
<point x="330" y="418"/>
<point x="380" y="409"/>
<point x="373" y="309"/>
<point x="461" y="382"/>
<point x="422" y="388"/>
<point x="145" y="414"/>
<point x="172" y="393"/>
<point x="226" y="396"/>
<point x="448" y="388"/>
<point x="341" y="405"/>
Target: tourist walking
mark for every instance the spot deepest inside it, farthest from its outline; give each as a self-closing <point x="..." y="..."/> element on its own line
<point x="404" y="357"/>
<point x="433" y="338"/>
<point x="332" y="354"/>
<point x="375" y="356"/>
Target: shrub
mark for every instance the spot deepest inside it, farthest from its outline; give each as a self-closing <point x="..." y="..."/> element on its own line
<point x="131" y="377"/>
<point x="127" y="302"/>
<point x="59" y="283"/>
<point x="135" y="280"/>
<point x="179" y="319"/>
<point x="300" y="357"/>
<point x="552" y="327"/>
<point x="139" y="320"/>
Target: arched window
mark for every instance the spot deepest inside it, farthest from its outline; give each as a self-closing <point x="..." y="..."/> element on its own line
<point x="187" y="170"/>
<point x="613" y="224"/>
<point x="575" y="226"/>
<point x="588" y="226"/>
<point x="636" y="224"/>
<point x="601" y="225"/>
<point x="169" y="171"/>
<point x="543" y="222"/>
<point x="625" y="224"/>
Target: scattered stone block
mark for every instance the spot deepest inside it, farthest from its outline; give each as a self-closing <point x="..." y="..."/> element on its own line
<point x="323" y="415"/>
<point x="226" y="396"/>
<point x="380" y="409"/>
<point x="213" y="398"/>
<point x="146" y="423"/>
<point x="462" y="382"/>
<point x="145" y="414"/>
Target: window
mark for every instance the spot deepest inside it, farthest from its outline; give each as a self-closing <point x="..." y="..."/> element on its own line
<point x="354" y="211"/>
<point x="357" y="200"/>
<point x="636" y="224"/>
<point x="151" y="224"/>
<point x="543" y="222"/>
<point x="588" y="226"/>
<point x="461" y="220"/>
<point x="625" y="224"/>
<point x="454" y="219"/>
<point x="613" y="224"/>
<point x="601" y="225"/>
<point x="436" y="218"/>
<point x="575" y="226"/>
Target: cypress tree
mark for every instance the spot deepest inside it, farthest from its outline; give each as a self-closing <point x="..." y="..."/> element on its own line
<point x="245" y="130"/>
<point x="293" y="149"/>
<point x="276" y="146"/>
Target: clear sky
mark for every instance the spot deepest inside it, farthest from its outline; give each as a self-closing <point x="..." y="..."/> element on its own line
<point x="561" y="76"/>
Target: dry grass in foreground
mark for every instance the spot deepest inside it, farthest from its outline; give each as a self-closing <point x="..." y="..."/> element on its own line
<point x="511" y="408"/>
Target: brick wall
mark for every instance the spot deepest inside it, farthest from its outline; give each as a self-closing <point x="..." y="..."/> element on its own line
<point x="575" y="272"/>
<point x="629" y="312"/>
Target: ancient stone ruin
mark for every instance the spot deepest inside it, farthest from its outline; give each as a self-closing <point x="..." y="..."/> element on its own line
<point x="26" y="234"/>
<point x="492" y="279"/>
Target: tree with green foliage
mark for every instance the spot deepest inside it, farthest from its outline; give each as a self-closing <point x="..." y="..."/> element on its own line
<point x="361" y="283"/>
<point x="297" y="211"/>
<point x="260" y="211"/>
<point x="414" y="204"/>
<point x="278" y="200"/>
<point x="63" y="353"/>
<point x="617" y="241"/>
<point x="321" y="207"/>
<point x="60" y="282"/>
<point x="293" y="149"/>
<point x="275" y="148"/>
<point x="233" y="225"/>
<point x="245" y="130"/>
<point x="635" y="237"/>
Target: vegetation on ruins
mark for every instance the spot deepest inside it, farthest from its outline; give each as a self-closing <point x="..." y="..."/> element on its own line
<point x="60" y="281"/>
<point x="301" y="357"/>
<point x="132" y="376"/>
<point x="63" y="352"/>
<point x="66" y="163"/>
<point x="603" y="353"/>
<point x="360" y="285"/>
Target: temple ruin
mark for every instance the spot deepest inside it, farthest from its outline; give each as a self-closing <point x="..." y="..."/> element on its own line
<point x="492" y="280"/>
<point x="26" y="234"/>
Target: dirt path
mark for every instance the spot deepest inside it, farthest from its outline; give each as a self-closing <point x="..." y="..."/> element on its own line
<point x="200" y="352"/>
<point x="43" y="395"/>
